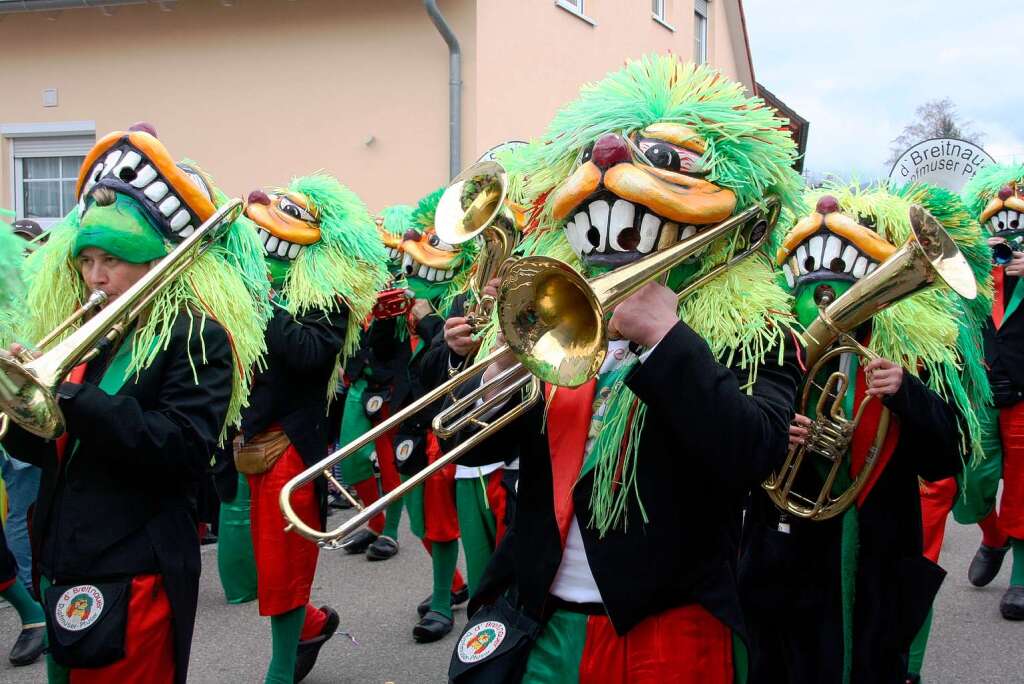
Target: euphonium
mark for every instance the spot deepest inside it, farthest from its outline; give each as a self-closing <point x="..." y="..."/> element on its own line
<point x="28" y="386"/>
<point x="928" y="258"/>
<point x="474" y="205"/>
<point x="567" y="313"/>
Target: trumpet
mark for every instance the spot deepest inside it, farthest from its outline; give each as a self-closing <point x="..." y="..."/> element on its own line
<point x="567" y="314"/>
<point x="1002" y="252"/>
<point x="927" y="259"/>
<point x="474" y="205"/>
<point x="28" y="385"/>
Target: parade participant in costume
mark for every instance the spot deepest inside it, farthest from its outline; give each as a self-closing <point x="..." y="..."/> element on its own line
<point x="378" y="385"/>
<point x="840" y="599"/>
<point x="630" y="578"/>
<point x="996" y="197"/>
<point x="326" y="266"/>
<point x="436" y="273"/>
<point x="118" y="550"/>
<point x="31" y="642"/>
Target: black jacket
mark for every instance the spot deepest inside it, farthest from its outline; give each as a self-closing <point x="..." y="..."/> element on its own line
<point x="423" y="365"/>
<point x="791" y="583"/>
<point x="705" y="442"/>
<point x="292" y="388"/>
<point x="124" y="503"/>
<point x="1004" y="352"/>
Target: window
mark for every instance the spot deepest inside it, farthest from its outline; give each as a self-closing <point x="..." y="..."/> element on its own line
<point x="45" y="173"/>
<point x="700" y="31"/>
<point x="658" y="14"/>
<point x="575" y="7"/>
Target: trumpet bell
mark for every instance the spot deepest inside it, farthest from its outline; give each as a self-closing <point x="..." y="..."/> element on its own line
<point x="553" y="320"/>
<point x="28" y="400"/>
<point x="471" y="203"/>
<point x="943" y="254"/>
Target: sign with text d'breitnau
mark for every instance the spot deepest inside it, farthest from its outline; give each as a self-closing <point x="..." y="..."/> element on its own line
<point x="946" y="162"/>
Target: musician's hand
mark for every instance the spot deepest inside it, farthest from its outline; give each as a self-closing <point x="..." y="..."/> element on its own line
<point x="1016" y="265"/>
<point x="420" y="309"/>
<point x="459" y="336"/>
<point x="647" y="316"/>
<point x="491" y="288"/>
<point x="798" y="430"/>
<point x="18" y="352"/>
<point x="884" y="378"/>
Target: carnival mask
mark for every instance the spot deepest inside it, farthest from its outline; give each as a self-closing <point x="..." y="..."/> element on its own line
<point x="1004" y="213"/>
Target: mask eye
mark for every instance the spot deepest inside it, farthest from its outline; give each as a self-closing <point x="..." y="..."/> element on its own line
<point x="587" y="153"/>
<point x="294" y="210"/>
<point x="663" y="155"/>
<point x="438" y="243"/>
<point x="866" y="220"/>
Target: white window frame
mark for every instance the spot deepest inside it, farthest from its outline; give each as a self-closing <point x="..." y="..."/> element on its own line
<point x="575" y="8"/>
<point x="658" y="14"/>
<point x="701" y="18"/>
<point x="41" y="131"/>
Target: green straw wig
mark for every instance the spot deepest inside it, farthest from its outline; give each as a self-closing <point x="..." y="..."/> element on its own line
<point x="935" y="330"/>
<point x="987" y="183"/>
<point x="12" y="290"/>
<point x="397" y="218"/>
<point x="347" y="267"/>
<point x="227" y="283"/>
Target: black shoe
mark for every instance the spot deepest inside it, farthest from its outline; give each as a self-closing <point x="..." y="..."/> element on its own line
<point x="340" y="501"/>
<point x="30" y="644"/>
<point x="986" y="564"/>
<point x="432" y="627"/>
<point x="383" y="548"/>
<point x="358" y="541"/>
<point x="308" y="651"/>
<point x="1012" y="605"/>
<point x="458" y="598"/>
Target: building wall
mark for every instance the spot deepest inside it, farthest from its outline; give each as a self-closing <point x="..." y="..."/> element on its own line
<point x="266" y="89"/>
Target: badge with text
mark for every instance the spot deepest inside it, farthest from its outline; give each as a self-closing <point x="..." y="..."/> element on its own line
<point x="480" y="641"/>
<point x="79" y="607"/>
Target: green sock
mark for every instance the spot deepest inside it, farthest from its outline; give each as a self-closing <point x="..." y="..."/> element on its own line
<point x="392" y="516"/>
<point x="30" y="612"/>
<point x="919" y="644"/>
<point x="286" y="630"/>
<point x="444" y="557"/>
<point x="1017" y="574"/>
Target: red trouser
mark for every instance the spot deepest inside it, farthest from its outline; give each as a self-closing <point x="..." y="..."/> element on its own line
<point x="148" y="640"/>
<point x="679" y="646"/>
<point x="936" y="502"/>
<point x="285" y="561"/>
<point x="1011" y="505"/>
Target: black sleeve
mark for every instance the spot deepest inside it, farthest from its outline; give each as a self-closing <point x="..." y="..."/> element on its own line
<point x="176" y="438"/>
<point x="929" y="426"/>
<point x="741" y="437"/>
<point x="383" y="340"/>
<point x="435" y="361"/>
<point x="25" y="446"/>
<point x="307" y="342"/>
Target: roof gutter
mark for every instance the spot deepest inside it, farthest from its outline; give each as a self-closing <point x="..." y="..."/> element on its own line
<point x="454" y="87"/>
<point x="18" y="6"/>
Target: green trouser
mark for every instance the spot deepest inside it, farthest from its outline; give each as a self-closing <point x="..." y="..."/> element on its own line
<point x="919" y="644"/>
<point x="354" y="422"/>
<point x="477" y="527"/>
<point x="235" y="559"/>
<point x="978" y="486"/>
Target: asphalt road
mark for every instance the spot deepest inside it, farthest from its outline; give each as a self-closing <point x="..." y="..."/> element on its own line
<point x="970" y="641"/>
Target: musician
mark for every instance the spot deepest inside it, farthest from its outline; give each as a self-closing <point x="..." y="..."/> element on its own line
<point x="378" y="385"/>
<point x="16" y="578"/>
<point x="326" y="266"/>
<point x="996" y="196"/>
<point x="619" y="564"/>
<point x="436" y="272"/>
<point x="115" y="523"/>
<point x="841" y="599"/>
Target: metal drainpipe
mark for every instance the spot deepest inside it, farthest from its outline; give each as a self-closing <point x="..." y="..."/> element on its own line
<point x="51" y="5"/>
<point x="454" y="87"/>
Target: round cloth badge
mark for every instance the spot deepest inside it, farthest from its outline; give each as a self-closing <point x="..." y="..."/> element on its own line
<point x="481" y="641"/>
<point x="404" y="450"/>
<point x="374" y="404"/>
<point x="79" y="607"/>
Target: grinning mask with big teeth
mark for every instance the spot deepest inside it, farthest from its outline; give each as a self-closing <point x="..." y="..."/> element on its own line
<point x="632" y="195"/>
<point x="996" y="197"/>
<point x="288" y="222"/>
<point x="176" y="196"/>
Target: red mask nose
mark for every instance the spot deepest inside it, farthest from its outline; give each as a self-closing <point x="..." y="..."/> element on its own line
<point x="1006" y="192"/>
<point x="609" y="150"/>
<point x="259" y="197"/>
<point x="411" y="235"/>
<point x="827" y="205"/>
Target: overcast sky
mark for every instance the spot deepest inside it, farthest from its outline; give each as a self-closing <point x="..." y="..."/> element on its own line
<point x="858" y="69"/>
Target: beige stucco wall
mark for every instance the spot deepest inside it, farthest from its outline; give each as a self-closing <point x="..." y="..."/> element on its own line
<point x="267" y="89"/>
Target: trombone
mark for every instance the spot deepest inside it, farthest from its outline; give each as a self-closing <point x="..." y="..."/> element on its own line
<point x="553" y="319"/>
<point x="28" y="385"/>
